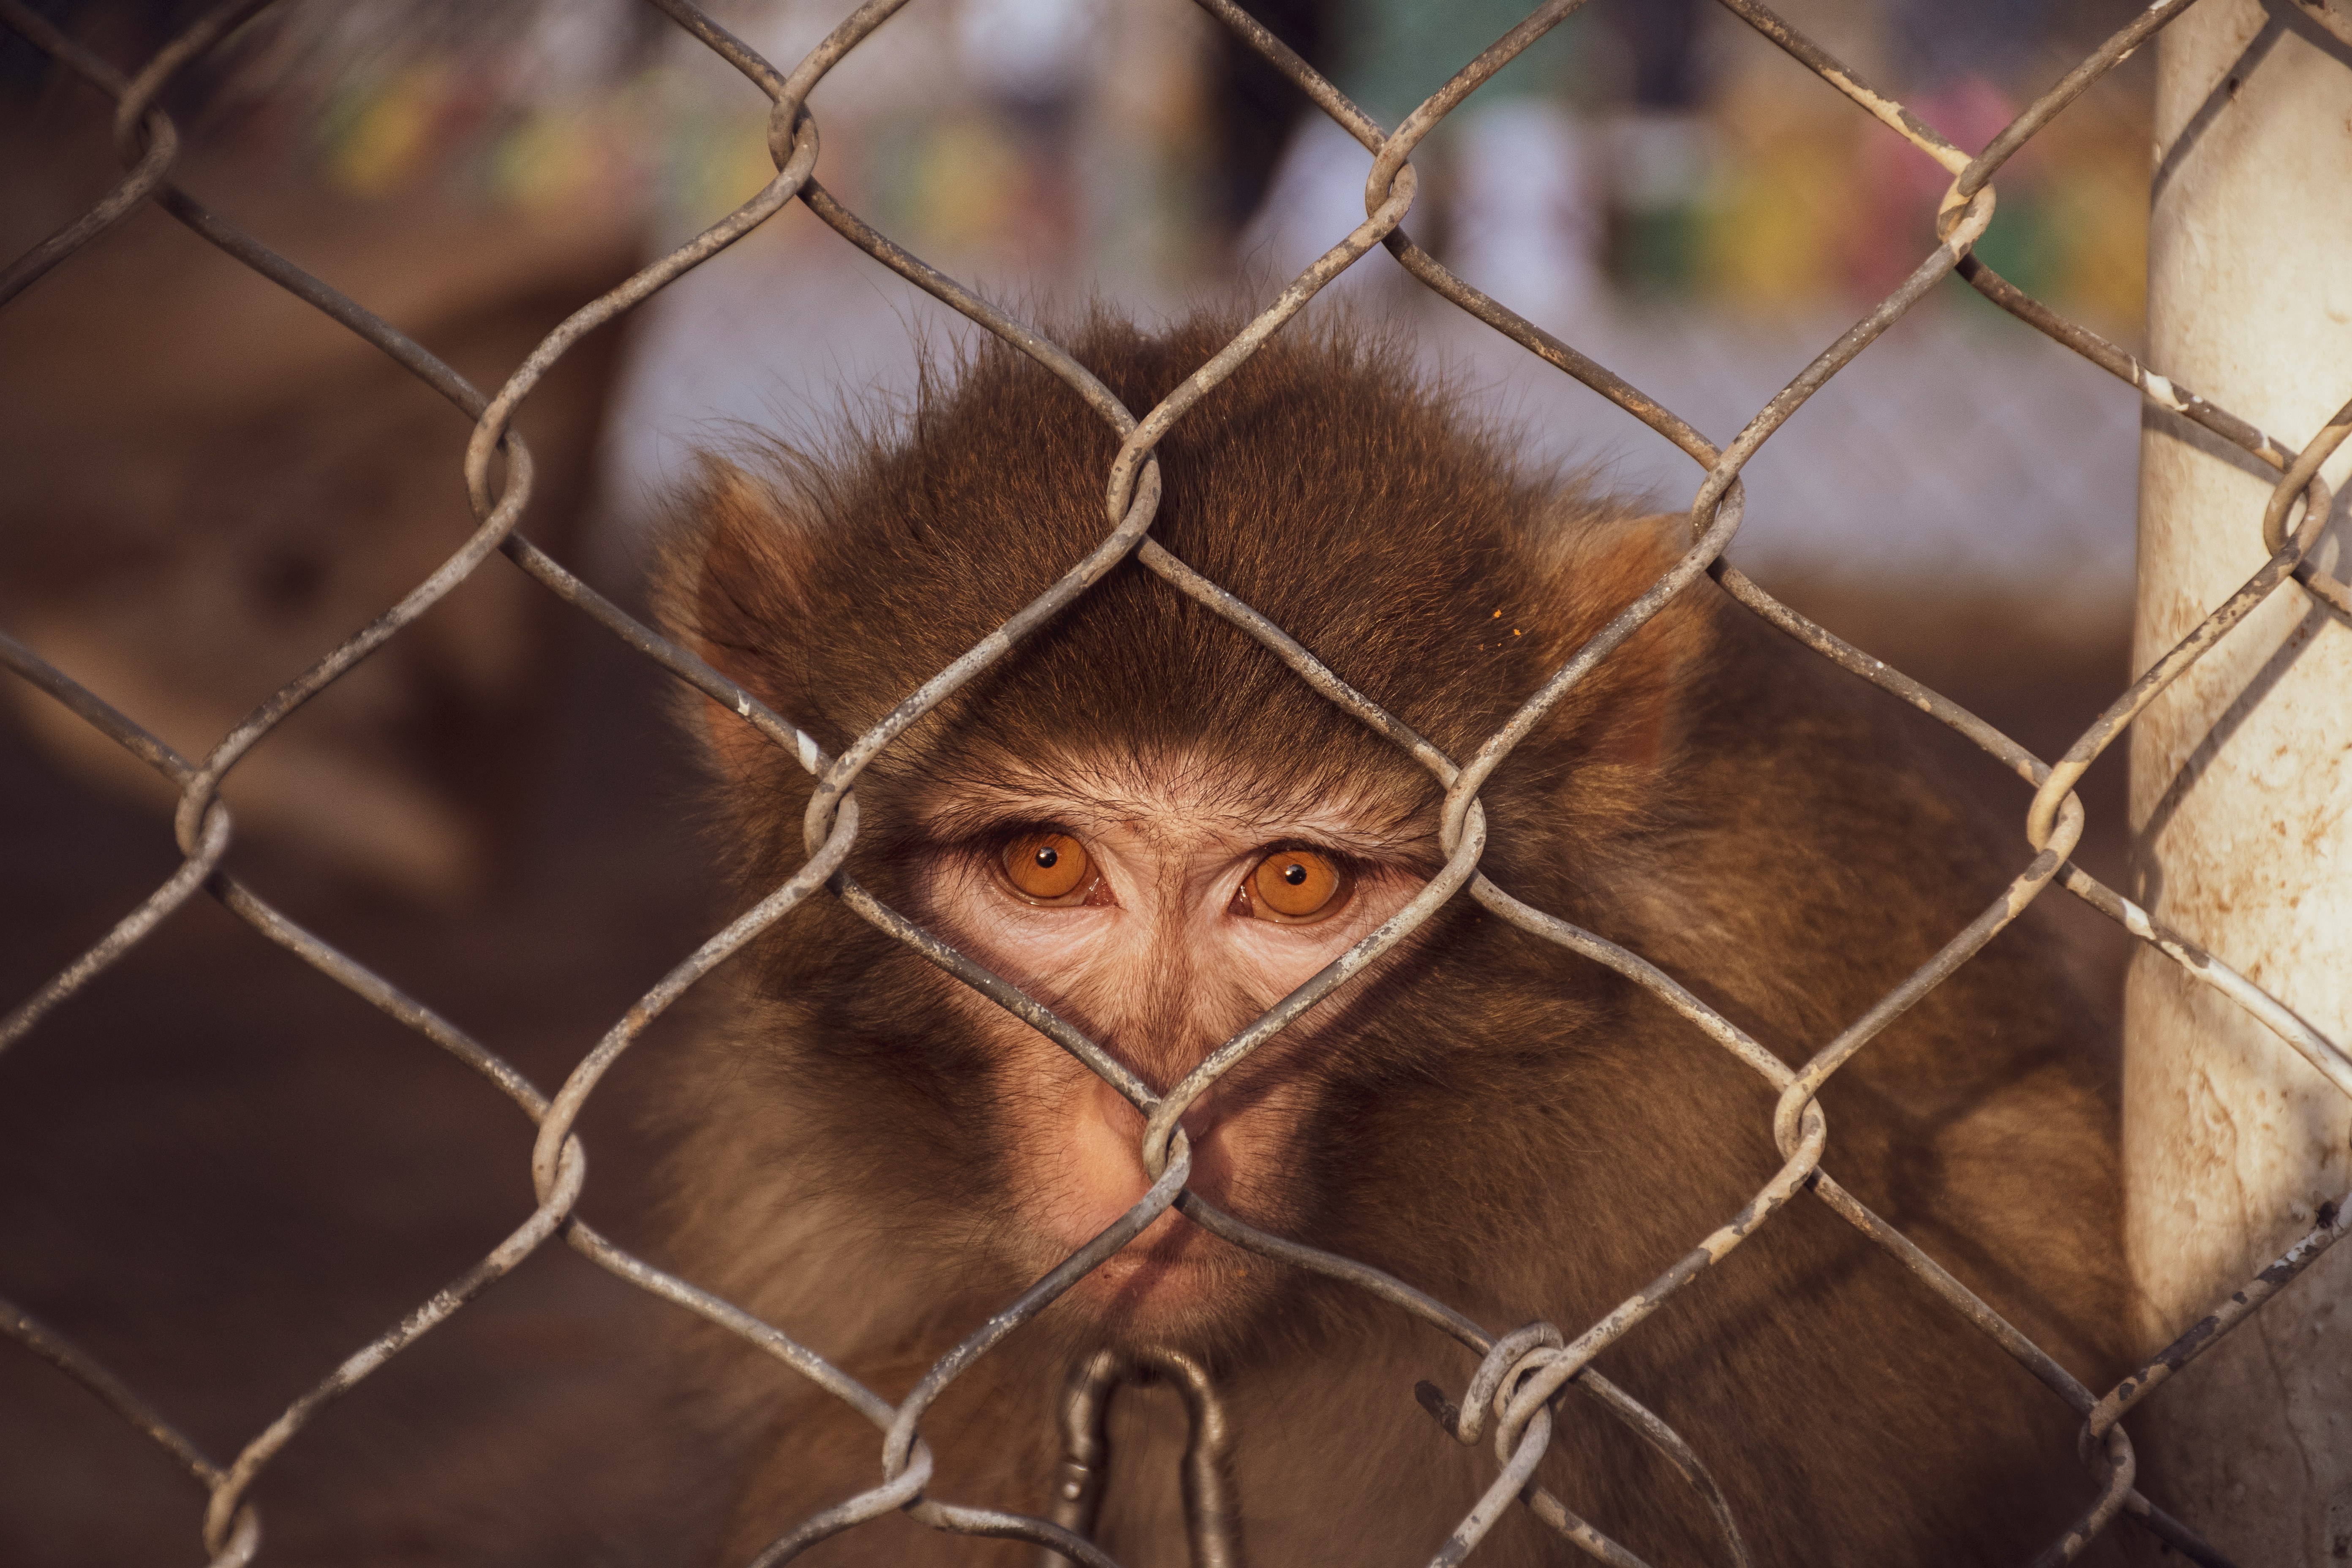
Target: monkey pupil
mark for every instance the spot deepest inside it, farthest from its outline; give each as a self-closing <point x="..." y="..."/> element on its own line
<point x="1046" y="856"/>
<point x="1293" y="873"/>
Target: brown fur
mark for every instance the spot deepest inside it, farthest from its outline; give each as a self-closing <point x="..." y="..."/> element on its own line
<point x="1514" y="1130"/>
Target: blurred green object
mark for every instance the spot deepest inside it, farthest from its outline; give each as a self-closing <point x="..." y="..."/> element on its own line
<point x="1653" y="250"/>
<point x="1398" y="52"/>
<point x="2023" y="245"/>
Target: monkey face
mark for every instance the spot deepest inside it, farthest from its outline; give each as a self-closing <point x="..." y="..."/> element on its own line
<point x="1161" y="910"/>
<point x="1169" y="763"/>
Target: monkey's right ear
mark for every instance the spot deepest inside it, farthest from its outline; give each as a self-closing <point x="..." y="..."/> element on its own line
<point x="1637" y="702"/>
<point x="732" y="588"/>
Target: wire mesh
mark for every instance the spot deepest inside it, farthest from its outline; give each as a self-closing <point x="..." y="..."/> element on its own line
<point x="1508" y="1399"/>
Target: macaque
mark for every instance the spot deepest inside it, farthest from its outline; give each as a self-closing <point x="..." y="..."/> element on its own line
<point x="1143" y="819"/>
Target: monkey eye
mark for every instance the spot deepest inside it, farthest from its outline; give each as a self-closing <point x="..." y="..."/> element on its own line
<point x="1048" y="867"/>
<point x="1296" y="886"/>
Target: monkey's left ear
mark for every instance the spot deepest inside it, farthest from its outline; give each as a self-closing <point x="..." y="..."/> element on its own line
<point x="733" y="587"/>
<point x="1625" y="718"/>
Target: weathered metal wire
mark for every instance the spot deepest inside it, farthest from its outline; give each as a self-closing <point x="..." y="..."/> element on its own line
<point x="1522" y="1372"/>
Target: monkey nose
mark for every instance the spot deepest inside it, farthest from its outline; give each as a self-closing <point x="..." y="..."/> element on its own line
<point x="1199" y="1120"/>
<point x="1200" y="1117"/>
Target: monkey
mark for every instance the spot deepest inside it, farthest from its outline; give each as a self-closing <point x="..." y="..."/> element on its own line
<point x="1143" y="819"/>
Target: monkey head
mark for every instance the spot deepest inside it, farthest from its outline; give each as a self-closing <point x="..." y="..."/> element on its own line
<point x="1143" y="819"/>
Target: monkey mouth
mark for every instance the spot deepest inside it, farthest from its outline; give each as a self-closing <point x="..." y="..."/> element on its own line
<point x="1169" y="1246"/>
<point x="1172" y="1278"/>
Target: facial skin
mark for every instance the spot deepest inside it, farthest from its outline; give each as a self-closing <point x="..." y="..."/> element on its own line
<point x="1167" y="920"/>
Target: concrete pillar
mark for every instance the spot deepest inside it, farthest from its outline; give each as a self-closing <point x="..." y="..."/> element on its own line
<point x="2242" y="789"/>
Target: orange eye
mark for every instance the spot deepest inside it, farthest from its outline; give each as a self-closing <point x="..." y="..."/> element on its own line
<point x="1298" y="884"/>
<point x="1046" y="864"/>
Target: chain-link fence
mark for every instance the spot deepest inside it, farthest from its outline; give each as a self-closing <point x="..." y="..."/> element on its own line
<point x="1508" y="1400"/>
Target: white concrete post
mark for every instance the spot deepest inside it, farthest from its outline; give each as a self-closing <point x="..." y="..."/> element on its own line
<point x="2241" y="790"/>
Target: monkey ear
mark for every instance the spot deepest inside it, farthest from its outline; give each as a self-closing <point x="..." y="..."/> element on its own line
<point x="732" y="588"/>
<point x="1639" y="700"/>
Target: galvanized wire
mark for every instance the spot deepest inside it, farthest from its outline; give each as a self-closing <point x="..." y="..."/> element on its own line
<point x="1508" y="1401"/>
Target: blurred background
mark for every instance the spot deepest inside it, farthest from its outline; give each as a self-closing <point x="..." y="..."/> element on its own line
<point x="220" y="1172"/>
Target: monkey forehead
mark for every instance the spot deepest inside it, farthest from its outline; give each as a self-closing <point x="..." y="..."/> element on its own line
<point x="1191" y="797"/>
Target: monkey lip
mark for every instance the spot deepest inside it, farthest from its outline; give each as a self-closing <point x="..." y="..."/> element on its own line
<point x="1168" y="1245"/>
<point x="1171" y="1273"/>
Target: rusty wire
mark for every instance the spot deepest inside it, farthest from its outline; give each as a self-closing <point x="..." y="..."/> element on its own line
<point x="1509" y="1399"/>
